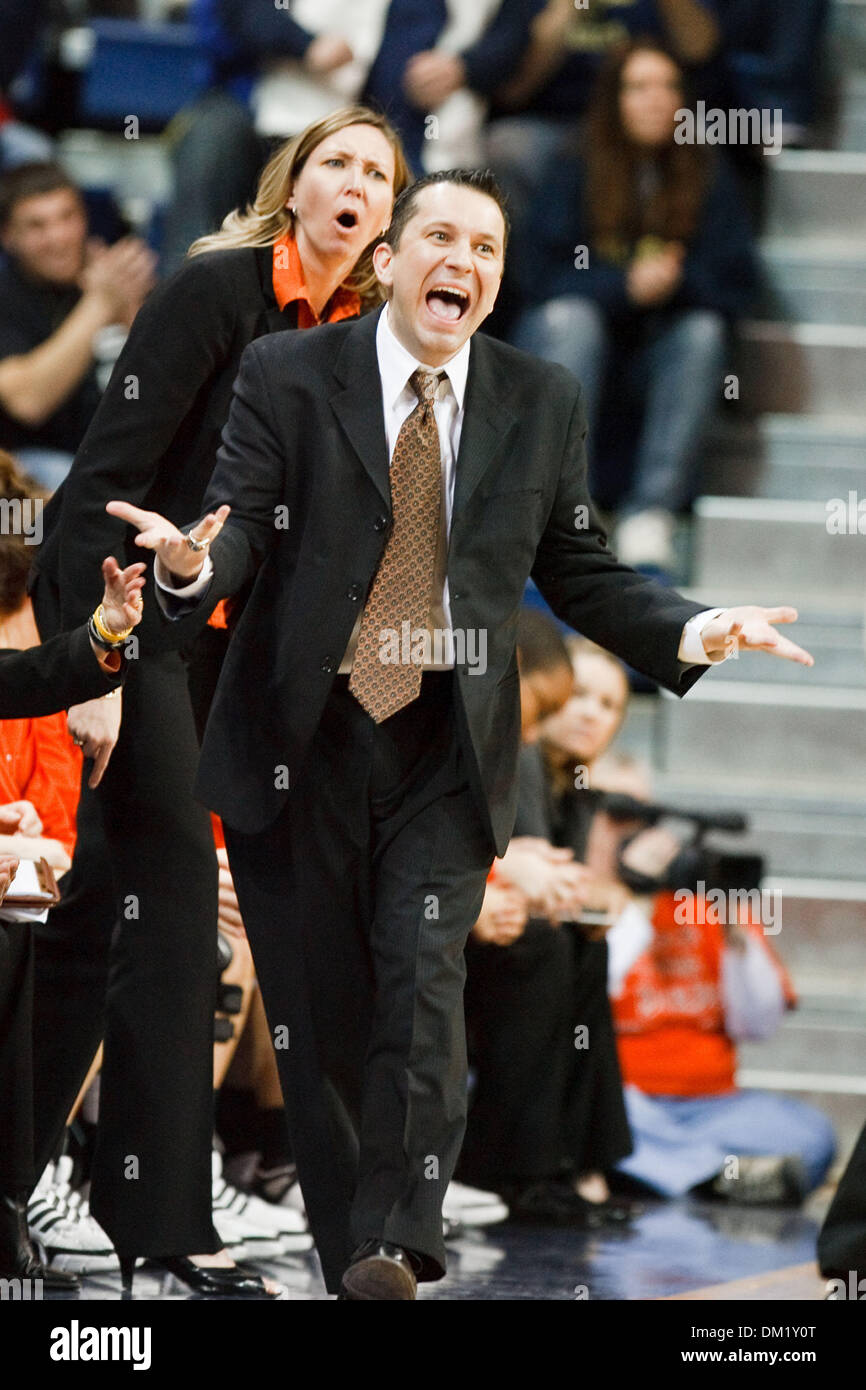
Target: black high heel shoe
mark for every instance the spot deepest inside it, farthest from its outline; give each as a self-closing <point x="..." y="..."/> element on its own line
<point x="211" y="1282"/>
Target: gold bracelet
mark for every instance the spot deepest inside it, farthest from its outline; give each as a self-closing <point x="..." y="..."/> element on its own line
<point x="105" y="634"/>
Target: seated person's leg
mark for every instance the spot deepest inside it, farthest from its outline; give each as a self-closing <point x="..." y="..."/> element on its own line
<point x="667" y="1158"/>
<point x="216" y="163"/>
<point x="683" y="366"/>
<point x="764" y="1123"/>
<point x="571" y="331"/>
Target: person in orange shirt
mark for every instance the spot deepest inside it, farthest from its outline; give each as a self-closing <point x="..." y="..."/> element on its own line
<point x="686" y="986"/>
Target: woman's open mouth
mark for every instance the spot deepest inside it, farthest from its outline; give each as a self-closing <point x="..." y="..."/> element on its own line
<point x="348" y="220"/>
<point x="448" y="303"/>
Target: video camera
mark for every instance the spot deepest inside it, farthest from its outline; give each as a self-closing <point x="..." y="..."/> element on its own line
<point x="697" y="866"/>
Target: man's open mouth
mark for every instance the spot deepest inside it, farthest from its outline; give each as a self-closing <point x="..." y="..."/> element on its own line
<point x="448" y="303"/>
<point x="348" y="220"/>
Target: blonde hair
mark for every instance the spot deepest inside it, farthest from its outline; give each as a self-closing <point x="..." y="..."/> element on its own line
<point x="267" y="219"/>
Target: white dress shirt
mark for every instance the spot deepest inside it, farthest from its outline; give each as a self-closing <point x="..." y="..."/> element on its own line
<point x="396" y="366"/>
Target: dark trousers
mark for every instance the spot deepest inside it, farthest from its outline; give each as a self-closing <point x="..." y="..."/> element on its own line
<point x="129" y="955"/>
<point x="17" y="1174"/>
<point x="357" y="902"/>
<point x="548" y="1098"/>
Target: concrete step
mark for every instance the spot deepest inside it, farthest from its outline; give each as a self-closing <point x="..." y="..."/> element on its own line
<point x="822" y="927"/>
<point x="760" y="550"/>
<point x="847" y="36"/>
<point x="816" y="193"/>
<point x="822" y="825"/>
<point x="838" y="649"/>
<point x="804" y="457"/>
<point x="814" y="280"/>
<point x="849" y="124"/>
<point x="806" y="368"/>
<point x="793" y="734"/>
<point x="820" y="1044"/>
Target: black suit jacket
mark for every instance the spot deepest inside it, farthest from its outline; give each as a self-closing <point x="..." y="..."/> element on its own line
<point x="306" y="432"/>
<point x="155" y="434"/>
<point x="60" y="673"/>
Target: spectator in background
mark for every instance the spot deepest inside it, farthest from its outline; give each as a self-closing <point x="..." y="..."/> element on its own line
<point x="438" y="62"/>
<point x="684" y="992"/>
<point x="770" y="59"/>
<point x="537" y="112"/>
<point x="547" y="1118"/>
<point x="641" y="256"/>
<point x="65" y="307"/>
<point x="276" y="70"/>
<point x="73" y="665"/>
<point x="40" y="767"/>
<point x="21" y="22"/>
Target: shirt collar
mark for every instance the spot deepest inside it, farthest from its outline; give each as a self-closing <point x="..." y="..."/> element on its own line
<point x="290" y="287"/>
<point x="396" y="364"/>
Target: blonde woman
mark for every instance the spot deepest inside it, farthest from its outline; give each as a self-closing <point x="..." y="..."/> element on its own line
<point x="299" y="256"/>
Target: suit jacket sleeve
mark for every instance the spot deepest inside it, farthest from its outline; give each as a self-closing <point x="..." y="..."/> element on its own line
<point x="179" y="339"/>
<point x="636" y="618"/>
<point x="60" y="673"/>
<point x="250" y="475"/>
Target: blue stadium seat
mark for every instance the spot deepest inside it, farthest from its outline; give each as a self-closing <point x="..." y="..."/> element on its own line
<point x="144" y="70"/>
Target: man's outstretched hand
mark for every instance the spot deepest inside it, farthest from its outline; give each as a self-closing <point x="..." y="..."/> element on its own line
<point x="750" y="628"/>
<point x="166" y="541"/>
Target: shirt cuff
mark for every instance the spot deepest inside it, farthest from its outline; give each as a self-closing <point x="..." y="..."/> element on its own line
<point x="194" y="589"/>
<point x="691" y="651"/>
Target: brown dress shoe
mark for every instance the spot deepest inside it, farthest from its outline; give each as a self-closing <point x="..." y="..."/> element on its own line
<point x="379" y="1271"/>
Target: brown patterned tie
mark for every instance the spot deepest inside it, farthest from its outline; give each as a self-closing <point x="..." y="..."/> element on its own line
<point x="402" y="588"/>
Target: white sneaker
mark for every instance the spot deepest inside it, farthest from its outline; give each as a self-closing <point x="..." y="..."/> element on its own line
<point x="646" y="538"/>
<point x="62" y="1224"/>
<point x="469" y="1206"/>
<point x="261" y="1228"/>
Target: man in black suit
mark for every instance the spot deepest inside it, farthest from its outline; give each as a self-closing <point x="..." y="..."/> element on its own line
<point x="365" y="765"/>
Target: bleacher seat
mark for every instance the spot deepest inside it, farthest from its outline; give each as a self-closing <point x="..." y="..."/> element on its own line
<point x="145" y="70"/>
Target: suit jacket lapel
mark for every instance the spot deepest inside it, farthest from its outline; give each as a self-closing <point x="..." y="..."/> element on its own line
<point x="357" y="401"/>
<point x="487" y="421"/>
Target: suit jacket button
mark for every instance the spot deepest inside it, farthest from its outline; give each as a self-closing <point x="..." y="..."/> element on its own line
<point x="380" y="523"/>
<point x="354" y="592"/>
<point x="329" y="665"/>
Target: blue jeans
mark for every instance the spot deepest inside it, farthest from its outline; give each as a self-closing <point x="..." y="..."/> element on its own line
<point x="681" y="1143"/>
<point x="673" y="360"/>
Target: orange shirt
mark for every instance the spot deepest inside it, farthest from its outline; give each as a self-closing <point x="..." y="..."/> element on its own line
<point x="669" y="1016"/>
<point x="40" y="763"/>
<point x="38" y="760"/>
<point x="290" y="288"/>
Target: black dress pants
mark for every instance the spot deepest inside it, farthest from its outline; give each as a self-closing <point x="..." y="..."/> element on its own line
<point x="357" y="901"/>
<point x="17" y="1175"/>
<point x="129" y="954"/>
<point x="548" y="1095"/>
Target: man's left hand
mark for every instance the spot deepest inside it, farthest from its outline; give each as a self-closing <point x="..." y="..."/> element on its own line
<point x="750" y="628"/>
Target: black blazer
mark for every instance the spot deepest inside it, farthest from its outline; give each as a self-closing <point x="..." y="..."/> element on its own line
<point x="154" y="437"/>
<point x="306" y="431"/>
<point x="60" y="673"/>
